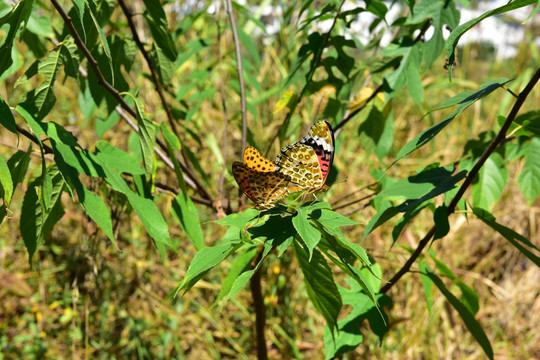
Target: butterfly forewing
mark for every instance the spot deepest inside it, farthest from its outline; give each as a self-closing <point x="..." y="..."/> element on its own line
<point x="254" y="160"/>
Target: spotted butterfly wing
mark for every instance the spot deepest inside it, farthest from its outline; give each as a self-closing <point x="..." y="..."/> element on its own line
<point x="263" y="188"/>
<point x="254" y="160"/>
<point x="321" y="139"/>
<point x="301" y="164"/>
<point x="308" y="161"/>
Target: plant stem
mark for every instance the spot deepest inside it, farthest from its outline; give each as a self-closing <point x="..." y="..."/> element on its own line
<point x="468" y="181"/>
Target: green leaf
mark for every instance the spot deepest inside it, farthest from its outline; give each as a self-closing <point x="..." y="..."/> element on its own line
<point x="320" y="285"/>
<point x="456" y="34"/>
<point x="371" y="130"/>
<point x="241" y="281"/>
<point x="164" y="66"/>
<point x="102" y="37"/>
<point x="71" y="162"/>
<point x="469" y="297"/>
<point x="6" y="117"/>
<point x="440" y="14"/>
<point x="529" y="179"/>
<point x="42" y="99"/>
<point x="202" y="262"/>
<point x="309" y="234"/>
<point x="18" y="15"/>
<point x="492" y="179"/>
<point x="471" y="323"/>
<point x="6" y="182"/>
<point x="408" y="216"/>
<point x="464" y="99"/>
<point x="146" y="210"/>
<point x="147" y="136"/>
<point x="186" y="214"/>
<point x="382" y="216"/>
<point x="534" y="11"/>
<point x="415" y="190"/>
<point x="348" y="335"/>
<point x="117" y="159"/>
<point x="239" y="265"/>
<point x="427" y="284"/>
<point x="18" y="165"/>
<point x="529" y="123"/>
<point x="46" y="184"/>
<point x="410" y="57"/>
<point x="157" y="22"/>
<point x="517" y="240"/>
<point x="36" y="223"/>
<point x="440" y="218"/>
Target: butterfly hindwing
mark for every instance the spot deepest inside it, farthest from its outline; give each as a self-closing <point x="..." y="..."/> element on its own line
<point x="263" y="188"/>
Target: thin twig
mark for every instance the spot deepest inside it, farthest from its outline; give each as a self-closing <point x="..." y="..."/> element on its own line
<point x="468" y="181"/>
<point x="240" y="72"/>
<point x="34" y="139"/>
<point x="153" y="72"/>
<point x="226" y="123"/>
<point x="354" y="202"/>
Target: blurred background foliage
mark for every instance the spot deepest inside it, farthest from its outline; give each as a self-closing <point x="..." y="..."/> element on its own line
<point x="86" y="298"/>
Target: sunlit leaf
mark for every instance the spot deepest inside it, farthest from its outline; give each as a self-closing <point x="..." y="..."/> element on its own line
<point x="492" y="179"/>
<point x="529" y="179"/>
<point x="471" y="323"/>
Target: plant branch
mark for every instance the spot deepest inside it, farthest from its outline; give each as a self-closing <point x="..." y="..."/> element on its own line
<point x="153" y="72"/>
<point x="46" y="148"/>
<point x="239" y="69"/>
<point x="468" y="181"/>
<point x="260" y="311"/>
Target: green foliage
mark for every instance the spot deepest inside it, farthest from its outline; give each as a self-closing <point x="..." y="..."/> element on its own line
<point x="140" y="157"/>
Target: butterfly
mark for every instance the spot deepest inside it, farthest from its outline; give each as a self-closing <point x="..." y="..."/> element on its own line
<point x="308" y="161"/>
<point x="259" y="179"/>
<point x="302" y="166"/>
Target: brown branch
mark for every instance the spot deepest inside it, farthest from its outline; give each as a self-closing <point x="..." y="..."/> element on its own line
<point x="103" y="82"/>
<point x="260" y="311"/>
<point x="153" y="72"/>
<point x="468" y="181"/>
<point x="46" y="149"/>
<point x="240" y="72"/>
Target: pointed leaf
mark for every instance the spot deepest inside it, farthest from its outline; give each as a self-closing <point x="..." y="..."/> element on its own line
<point x="529" y="179"/>
<point x="309" y="235"/>
<point x="492" y="179"/>
<point x="319" y="280"/>
<point x="6" y="183"/>
<point x="35" y="223"/>
<point x="6" y="117"/>
<point x="471" y="323"/>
